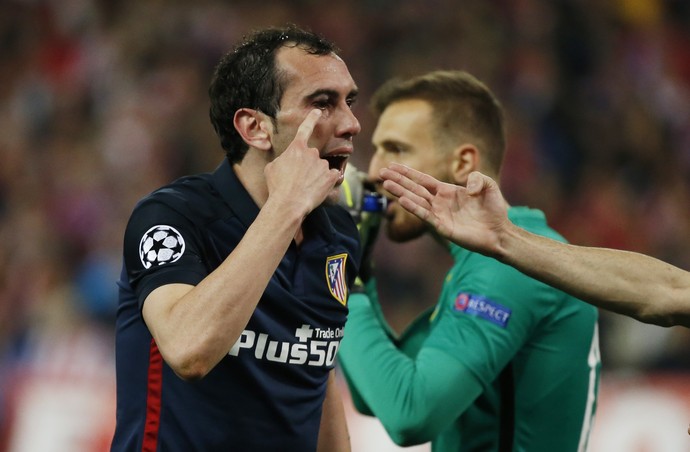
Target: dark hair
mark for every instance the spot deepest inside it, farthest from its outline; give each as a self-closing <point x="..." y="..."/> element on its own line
<point x="464" y="108"/>
<point x="247" y="77"/>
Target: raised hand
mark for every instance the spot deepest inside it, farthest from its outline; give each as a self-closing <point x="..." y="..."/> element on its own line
<point x="299" y="175"/>
<point x="472" y="217"/>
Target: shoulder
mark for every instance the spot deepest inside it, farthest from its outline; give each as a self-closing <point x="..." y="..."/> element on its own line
<point x="341" y="219"/>
<point x="345" y="229"/>
<point x="188" y="205"/>
<point x="472" y="266"/>
<point x="182" y="191"/>
<point x="534" y="221"/>
<point x="479" y="274"/>
<point x="193" y="197"/>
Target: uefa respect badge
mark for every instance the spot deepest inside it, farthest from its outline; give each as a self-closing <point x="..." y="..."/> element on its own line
<point x="482" y="307"/>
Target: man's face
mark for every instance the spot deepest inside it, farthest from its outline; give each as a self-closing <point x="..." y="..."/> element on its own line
<point x="404" y="134"/>
<point x="324" y="82"/>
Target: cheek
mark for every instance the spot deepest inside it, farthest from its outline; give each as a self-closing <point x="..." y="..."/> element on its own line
<point x="375" y="164"/>
<point x="425" y="159"/>
<point x="318" y="136"/>
<point x="403" y="226"/>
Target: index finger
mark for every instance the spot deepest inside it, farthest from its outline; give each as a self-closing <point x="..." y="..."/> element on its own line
<point x="402" y="186"/>
<point x="418" y="177"/>
<point x="307" y="127"/>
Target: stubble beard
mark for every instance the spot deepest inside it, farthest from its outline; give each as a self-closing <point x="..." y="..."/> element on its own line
<point x="403" y="227"/>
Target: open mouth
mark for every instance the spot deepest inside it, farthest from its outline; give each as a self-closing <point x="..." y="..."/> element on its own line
<point x="336" y="161"/>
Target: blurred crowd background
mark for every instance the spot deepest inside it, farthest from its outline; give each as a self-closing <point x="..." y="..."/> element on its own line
<point x="102" y="101"/>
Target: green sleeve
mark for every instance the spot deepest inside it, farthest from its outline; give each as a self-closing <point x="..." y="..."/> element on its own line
<point x="372" y="294"/>
<point x="481" y="343"/>
<point x="415" y="399"/>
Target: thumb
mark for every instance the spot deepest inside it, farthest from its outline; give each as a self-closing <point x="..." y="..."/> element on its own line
<point x="477" y="182"/>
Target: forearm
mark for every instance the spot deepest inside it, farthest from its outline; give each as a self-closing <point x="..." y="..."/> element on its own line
<point x="372" y="293"/>
<point x="628" y="283"/>
<point x="414" y="399"/>
<point x="333" y="433"/>
<point x="196" y="327"/>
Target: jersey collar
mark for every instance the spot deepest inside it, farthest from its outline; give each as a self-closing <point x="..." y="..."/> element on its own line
<point x="234" y="194"/>
<point x="241" y="203"/>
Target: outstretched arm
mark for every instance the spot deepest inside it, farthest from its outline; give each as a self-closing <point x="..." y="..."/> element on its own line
<point x="476" y="218"/>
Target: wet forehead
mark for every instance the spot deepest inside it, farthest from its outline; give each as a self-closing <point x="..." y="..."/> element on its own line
<point x="307" y="73"/>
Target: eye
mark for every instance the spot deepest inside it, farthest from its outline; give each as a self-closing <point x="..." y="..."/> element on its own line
<point x="321" y="104"/>
<point x="393" y="148"/>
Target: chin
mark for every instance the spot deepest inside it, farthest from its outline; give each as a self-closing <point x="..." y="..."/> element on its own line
<point x="333" y="197"/>
<point x="400" y="231"/>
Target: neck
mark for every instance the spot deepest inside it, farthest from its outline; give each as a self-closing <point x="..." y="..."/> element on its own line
<point x="250" y="172"/>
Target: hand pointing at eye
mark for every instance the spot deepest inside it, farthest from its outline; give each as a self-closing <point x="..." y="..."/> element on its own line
<point x="299" y="175"/>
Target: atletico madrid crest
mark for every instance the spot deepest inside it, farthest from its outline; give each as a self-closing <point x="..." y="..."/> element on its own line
<point x="335" y="277"/>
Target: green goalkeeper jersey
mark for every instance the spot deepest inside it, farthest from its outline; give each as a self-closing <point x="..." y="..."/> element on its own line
<point x="502" y="363"/>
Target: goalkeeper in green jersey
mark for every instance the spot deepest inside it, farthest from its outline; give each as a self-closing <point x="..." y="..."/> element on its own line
<point x="503" y="362"/>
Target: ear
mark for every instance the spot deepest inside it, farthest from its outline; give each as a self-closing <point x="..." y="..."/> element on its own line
<point x="465" y="159"/>
<point x="254" y="127"/>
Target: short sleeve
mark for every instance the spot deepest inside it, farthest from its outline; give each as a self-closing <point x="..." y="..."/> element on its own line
<point x="161" y="246"/>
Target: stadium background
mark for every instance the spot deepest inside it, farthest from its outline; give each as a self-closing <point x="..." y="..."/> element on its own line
<point x="102" y="101"/>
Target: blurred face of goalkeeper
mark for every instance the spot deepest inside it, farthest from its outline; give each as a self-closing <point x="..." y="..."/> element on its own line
<point x="444" y="123"/>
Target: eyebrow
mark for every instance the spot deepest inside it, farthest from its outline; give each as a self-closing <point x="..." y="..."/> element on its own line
<point x="332" y="93"/>
<point x="388" y="142"/>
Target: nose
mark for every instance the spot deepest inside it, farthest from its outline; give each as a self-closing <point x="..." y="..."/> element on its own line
<point x="375" y="164"/>
<point x="348" y="126"/>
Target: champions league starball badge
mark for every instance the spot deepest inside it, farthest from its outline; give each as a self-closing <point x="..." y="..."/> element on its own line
<point x="160" y="245"/>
